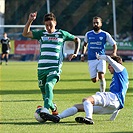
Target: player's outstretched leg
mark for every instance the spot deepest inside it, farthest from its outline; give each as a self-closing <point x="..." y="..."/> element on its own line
<point x="49" y="117"/>
<point x="84" y="120"/>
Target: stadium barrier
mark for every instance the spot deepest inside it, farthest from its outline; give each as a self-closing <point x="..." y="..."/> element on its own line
<point x="29" y="50"/>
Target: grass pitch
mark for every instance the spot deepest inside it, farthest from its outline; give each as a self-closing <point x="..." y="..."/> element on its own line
<point x="20" y="95"/>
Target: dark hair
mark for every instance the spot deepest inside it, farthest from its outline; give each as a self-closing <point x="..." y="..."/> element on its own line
<point x="117" y="59"/>
<point x="4" y="33"/>
<point x="49" y="16"/>
<point x="96" y="17"/>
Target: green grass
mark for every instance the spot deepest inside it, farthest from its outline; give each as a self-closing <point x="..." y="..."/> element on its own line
<point x="20" y="95"/>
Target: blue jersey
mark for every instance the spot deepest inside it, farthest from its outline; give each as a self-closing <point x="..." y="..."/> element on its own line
<point x="96" y="43"/>
<point x="119" y="84"/>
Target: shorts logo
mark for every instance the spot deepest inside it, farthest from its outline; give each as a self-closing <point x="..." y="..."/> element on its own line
<point x="51" y="73"/>
<point x="40" y="83"/>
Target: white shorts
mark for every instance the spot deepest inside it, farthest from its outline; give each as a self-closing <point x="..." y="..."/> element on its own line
<point x="96" y="66"/>
<point x="105" y="103"/>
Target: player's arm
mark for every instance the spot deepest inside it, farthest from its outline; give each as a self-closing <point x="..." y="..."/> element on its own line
<point x="77" y="47"/>
<point x="9" y="45"/>
<point x="114" y="50"/>
<point x="113" y="43"/>
<point x="26" y="30"/>
<point x="116" y="66"/>
<point x="84" y="48"/>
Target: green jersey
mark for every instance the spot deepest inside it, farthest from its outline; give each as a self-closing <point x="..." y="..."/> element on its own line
<point x="51" y="48"/>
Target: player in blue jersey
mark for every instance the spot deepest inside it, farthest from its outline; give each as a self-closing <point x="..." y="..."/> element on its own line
<point x="102" y="102"/>
<point x="51" y="55"/>
<point x="95" y="41"/>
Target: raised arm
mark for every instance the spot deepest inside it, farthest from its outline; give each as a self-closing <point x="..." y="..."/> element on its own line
<point x="26" y="30"/>
<point x="116" y="66"/>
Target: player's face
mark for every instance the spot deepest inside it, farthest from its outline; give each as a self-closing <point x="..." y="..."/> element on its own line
<point x="110" y="69"/>
<point x="50" y="26"/>
<point x="97" y="24"/>
<point x="5" y="35"/>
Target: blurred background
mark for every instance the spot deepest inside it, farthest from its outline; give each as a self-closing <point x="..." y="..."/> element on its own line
<point x="74" y="16"/>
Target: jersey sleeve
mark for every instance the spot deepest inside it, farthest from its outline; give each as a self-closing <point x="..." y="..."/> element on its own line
<point x="36" y="34"/>
<point x="67" y="36"/>
<point x="109" y="39"/>
<point x="85" y="38"/>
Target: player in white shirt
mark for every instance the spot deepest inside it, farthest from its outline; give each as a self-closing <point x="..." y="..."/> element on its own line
<point x="95" y="41"/>
<point x="102" y="102"/>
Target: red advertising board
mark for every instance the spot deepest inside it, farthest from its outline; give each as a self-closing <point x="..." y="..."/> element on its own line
<point x="26" y="47"/>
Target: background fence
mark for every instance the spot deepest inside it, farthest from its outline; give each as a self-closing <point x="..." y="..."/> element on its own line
<point x="24" y="49"/>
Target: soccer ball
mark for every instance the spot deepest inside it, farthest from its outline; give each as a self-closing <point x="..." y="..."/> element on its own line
<point x="37" y="114"/>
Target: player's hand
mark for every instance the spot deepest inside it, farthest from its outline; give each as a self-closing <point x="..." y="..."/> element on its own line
<point x="98" y="56"/>
<point x="71" y="56"/>
<point x="32" y="16"/>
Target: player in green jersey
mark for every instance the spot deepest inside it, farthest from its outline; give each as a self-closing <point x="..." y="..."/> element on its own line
<point x="51" y="55"/>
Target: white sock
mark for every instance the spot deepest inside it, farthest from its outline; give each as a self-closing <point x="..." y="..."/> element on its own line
<point x="88" y="108"/>
<point x="68" y="112"/>
<point x="102" y="85"/>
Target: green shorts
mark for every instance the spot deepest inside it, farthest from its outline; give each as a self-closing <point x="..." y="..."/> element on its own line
<point x="46" y="76"/>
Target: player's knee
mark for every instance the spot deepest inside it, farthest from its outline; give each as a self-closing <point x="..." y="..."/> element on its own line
<point x="94" y="80"/>
<point x="84" y="99"/>
<point x="79" y="107"/>
<point x="48" y="85"/>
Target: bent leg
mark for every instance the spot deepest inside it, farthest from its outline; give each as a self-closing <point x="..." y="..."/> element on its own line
<point x="2" y="57"/>
<point x="71" y="111"/>
<point x="68" y="112"/>
<point x="6" y="58"/>
<point x="93" y="70"/>
<point x="49" y="85"/>
<point x="102" y="81"/>
<point x="101" y="72"/>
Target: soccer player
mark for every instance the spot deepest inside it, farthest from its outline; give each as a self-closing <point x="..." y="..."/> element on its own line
<point x="95" y="41"/>
<point x="102" y="102"/>
<point x="6" y="46"/>
<point x="51" y="55"/>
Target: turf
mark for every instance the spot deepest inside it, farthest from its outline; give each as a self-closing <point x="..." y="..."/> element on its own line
<point x="20" y="95"/>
